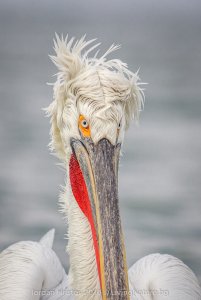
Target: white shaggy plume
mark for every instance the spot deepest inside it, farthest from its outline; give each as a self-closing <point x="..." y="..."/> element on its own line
<point x="104" y="91"/>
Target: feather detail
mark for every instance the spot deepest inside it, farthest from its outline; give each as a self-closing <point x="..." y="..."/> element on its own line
<point x="162" y="276"/>
<point x="102" y="89"/>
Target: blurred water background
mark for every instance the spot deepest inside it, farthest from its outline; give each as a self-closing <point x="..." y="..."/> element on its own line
<point x="160" y="173"/>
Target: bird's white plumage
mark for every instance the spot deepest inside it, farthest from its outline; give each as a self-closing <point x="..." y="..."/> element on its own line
<point x="103" y="90"/>
<point x="48" y="239"/>
<point x="107" y="94"/>
<point x="32" y="271"/>
<point x="162" y="276"/>
<point x="27" y="269"/>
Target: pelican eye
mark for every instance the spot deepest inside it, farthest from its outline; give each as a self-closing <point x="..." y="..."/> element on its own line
<point x="119" y="125"/>
<point x="83" y="125"/>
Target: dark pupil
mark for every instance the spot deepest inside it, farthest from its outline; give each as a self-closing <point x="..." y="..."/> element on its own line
<point x="84" y="123"/>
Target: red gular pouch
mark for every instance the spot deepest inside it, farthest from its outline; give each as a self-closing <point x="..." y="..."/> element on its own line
<point x="80" y="193"/>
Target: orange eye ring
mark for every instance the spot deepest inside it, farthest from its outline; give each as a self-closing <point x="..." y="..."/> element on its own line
<point x="84" y="126"/>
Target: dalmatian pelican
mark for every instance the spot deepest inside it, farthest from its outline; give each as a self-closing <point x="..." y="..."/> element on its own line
<point x="94" y="102"/>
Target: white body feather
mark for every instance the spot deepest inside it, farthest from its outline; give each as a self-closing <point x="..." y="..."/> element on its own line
<point x="162" y="276"/>
<point x="29" y="269"/>
<point x="32" y="271"/>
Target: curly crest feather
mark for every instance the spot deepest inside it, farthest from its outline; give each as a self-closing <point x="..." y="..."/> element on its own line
<point x="106" y="87"/>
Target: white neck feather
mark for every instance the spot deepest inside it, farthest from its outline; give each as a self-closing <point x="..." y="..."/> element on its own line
<point x="83" y="273"/>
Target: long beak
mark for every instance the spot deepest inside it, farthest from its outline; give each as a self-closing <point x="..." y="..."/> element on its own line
<point x="99" y="167"/>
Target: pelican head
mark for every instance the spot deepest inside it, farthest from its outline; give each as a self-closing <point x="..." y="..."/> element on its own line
<point x="94" y="102"/>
